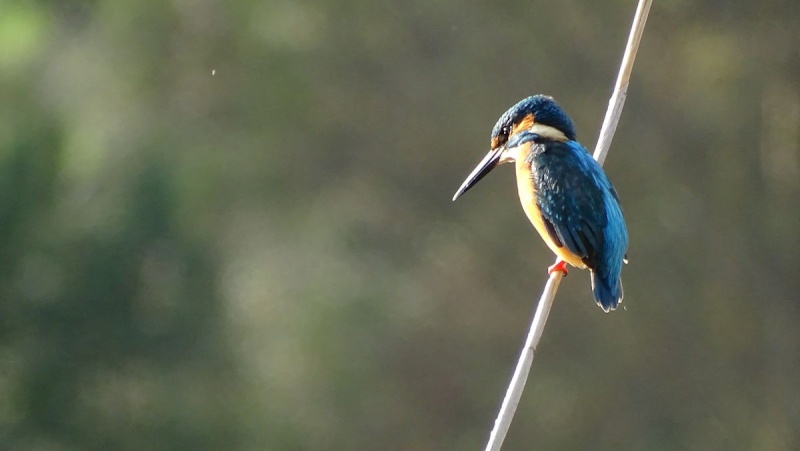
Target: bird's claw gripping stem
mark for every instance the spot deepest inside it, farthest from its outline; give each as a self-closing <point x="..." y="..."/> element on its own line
<point x="560" y="266"/>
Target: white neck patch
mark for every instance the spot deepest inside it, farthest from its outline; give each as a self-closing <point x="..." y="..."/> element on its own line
<point x="548" y="132"/>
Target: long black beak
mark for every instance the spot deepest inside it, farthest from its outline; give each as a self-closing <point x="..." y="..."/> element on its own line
<point x="484" y="167"/>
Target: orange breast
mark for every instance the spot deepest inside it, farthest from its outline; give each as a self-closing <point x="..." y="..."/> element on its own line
<point x="527" y="197"/>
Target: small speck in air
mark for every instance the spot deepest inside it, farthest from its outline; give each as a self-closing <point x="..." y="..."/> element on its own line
<point x="213" y="72"/>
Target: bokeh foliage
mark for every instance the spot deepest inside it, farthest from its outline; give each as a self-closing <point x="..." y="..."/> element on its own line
<point x="227" y="225"/>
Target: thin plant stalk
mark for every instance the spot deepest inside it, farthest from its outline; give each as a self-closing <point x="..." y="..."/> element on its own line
<point x="517" y="384"/>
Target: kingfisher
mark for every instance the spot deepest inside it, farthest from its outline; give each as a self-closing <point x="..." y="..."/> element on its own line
<point x="563" y="191"/>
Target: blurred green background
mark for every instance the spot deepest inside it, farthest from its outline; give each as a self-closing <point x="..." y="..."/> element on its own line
<point x="227" y="225"/>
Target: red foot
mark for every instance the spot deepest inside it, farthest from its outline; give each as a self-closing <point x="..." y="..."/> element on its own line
<point x="560" y="265"/>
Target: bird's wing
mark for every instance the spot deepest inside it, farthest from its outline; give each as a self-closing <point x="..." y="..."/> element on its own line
<point x="571" y="194"/>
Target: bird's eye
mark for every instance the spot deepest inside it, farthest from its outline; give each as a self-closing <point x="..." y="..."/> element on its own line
<point x="501" y="137"/>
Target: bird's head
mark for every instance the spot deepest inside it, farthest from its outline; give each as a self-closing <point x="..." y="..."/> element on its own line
<point x="534" y="120"/>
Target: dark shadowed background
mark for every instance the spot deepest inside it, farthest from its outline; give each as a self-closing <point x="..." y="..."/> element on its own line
<point x="227" y="225"/>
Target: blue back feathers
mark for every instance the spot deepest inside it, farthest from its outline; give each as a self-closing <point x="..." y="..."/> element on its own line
<point x="581" y="212"/>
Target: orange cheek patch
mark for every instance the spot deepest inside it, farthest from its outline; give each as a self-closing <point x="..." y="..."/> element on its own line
<point x="495" y="142"/>
<point x="526" y="123"/>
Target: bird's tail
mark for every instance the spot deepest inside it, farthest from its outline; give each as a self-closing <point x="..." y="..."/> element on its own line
<point x="607" y="291"/>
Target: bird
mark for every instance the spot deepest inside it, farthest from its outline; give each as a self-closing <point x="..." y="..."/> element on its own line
<point x="563" y="191"/>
